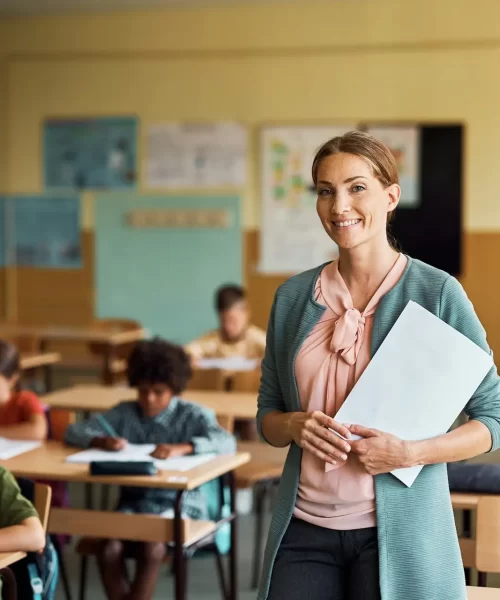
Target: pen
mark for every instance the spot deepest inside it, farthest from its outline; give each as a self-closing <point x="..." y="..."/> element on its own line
<point x="106" y="426"/>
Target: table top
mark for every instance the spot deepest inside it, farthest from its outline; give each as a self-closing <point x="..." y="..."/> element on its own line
<point x="77" y="333"/>
<point x="262" y="452"/>
<point x="32" y="360"/>
<point x="97" y="398"/>
<point x="9" y="558"/>
<point x="477" y="593"/>
<point x="49" y="463"/>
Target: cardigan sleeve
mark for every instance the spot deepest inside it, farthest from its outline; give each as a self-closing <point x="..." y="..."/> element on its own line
<point x="270" y="396"/>
<point x="456" y="309"/>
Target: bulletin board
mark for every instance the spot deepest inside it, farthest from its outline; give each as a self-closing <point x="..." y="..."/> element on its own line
<point x="99" y="153"/>
<point x="164" y="277"/>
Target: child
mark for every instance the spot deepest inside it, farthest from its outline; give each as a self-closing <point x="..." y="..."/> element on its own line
<point x="160" y="372"/>
<point x="20" y="527"/>
<point x="236" y="337"/>
<point x="22" y="415"/>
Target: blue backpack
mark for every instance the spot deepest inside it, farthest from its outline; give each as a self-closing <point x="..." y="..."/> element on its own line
<point x="37" y="574"/>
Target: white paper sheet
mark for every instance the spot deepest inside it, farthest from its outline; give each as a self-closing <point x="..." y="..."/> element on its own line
<point x="140" y="453"/>
<point x="235" y="363"/>
<point x="422" y="376"/>
<point x="11" y="448"/>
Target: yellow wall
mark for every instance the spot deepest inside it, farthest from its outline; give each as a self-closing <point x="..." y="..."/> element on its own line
<point x="297" y="62"/>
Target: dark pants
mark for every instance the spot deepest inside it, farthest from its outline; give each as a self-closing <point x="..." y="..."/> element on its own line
<point x="314" y="563"/>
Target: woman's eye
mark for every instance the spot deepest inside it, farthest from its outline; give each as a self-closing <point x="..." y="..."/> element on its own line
<point x="358" y="188"/>
<point x="324" y="192"/>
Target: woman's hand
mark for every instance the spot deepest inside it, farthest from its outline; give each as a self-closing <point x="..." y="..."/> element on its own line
<point x="111" y="444"/>
<point x="311" y="432"/>
<point x="163" y="451"/>
<point x="380" y="452"/>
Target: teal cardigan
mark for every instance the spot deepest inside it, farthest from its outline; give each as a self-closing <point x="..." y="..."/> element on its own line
<point x="418" y="547"/>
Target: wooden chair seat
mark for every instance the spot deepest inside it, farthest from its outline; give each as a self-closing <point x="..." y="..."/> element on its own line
<point x="477" y="593"/>
<point x="255" y="472"/>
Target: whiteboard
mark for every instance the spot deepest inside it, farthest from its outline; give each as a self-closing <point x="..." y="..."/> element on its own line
<point x="292" y="237"/>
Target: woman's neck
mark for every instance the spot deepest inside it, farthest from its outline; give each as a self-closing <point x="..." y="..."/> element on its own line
<point x="364" y="268"/>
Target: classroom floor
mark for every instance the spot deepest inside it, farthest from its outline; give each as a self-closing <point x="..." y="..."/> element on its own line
<point x="202" y="584"/>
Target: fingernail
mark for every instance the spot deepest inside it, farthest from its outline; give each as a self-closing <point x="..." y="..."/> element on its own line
<point x="334" y="462"/>
<point x="347" y="448"/>
<point x="343" y="456"/>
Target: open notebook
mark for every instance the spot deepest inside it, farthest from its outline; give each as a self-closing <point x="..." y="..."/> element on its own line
<point x="140" y="452"/>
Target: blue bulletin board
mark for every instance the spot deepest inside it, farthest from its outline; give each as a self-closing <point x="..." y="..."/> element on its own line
<point x="98" y="153"/>
<point x="164" y="278"/>
<point x="40" y="232"/>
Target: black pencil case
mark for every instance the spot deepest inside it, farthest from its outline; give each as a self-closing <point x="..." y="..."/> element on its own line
<point x="115" y="467"/>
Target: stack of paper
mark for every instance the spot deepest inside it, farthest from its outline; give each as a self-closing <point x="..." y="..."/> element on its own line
<point x="235" y="363"/>
<point x="422" y="376"/>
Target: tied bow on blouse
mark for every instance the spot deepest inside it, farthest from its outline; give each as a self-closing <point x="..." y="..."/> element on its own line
<point x="348" y="335"/>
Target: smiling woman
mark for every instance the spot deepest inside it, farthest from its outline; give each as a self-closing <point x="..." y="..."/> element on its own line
<point x="343" y="527"/>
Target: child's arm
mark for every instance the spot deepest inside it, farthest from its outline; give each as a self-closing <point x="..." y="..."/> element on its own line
<point x="20" y="527"/>
<point x="209" y="435"/>
<point x="28" y="536"/>
<point x="35" y="428"/>
<point x="91" y="432"/>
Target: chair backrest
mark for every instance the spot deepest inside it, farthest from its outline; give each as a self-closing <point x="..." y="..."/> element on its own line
<point x="226" y="422"/>
<point x="206" y="380"/>
<point x="59" y="420"/>
<point x="43" y="497"/>
<point x="246" y="381"/>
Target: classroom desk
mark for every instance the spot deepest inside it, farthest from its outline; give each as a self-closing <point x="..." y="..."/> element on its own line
<point x="48" y="463"/>
<point x="479" y="593"/>
<point x="32" y="361"/>
<point x="46" y="334"/>
<point x="98" y="398"/>
<point x="9" y="558"/>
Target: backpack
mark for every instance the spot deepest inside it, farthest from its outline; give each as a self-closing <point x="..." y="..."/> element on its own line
<point x="37" y="574"/>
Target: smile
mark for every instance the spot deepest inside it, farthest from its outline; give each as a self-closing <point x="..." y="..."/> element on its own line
<point x="343" y="224"/>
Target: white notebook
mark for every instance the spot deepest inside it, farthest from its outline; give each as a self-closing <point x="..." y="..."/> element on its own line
<point x="418" y="382"/>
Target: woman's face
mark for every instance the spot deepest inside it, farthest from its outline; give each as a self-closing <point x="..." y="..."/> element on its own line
<point x="352" y="203"/>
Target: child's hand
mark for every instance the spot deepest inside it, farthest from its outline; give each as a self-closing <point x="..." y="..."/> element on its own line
<point x="163" y="451"/>
<point x="111" y="444"/>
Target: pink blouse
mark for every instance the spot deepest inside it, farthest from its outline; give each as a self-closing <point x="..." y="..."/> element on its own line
<point x="331" y="360"/>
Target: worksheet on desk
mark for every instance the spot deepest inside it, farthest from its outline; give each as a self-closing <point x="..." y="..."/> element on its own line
<point x="11" y="448"/>
<point x="140" y="453"/>
<point x="234" y="363"/>
<point x="418" y="382"/>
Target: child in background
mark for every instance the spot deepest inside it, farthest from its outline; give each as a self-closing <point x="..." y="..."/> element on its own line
<point x="160" y="371"/>
<point x="20" y="527"/>
<point x="236" y="337"/>
<point x="22" y="415"/>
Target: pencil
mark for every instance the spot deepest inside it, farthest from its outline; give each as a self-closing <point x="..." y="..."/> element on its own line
<point x="106" y="426"/>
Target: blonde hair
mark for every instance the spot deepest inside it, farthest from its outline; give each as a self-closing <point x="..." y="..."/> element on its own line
<point x="361" y="144"/>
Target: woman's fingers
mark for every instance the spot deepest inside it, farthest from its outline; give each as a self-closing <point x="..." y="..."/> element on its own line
<point x="324" y="446"/>
<point x="319" y="453"/>
<point x="330" y="423"/>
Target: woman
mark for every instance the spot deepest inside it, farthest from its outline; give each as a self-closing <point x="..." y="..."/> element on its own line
<point x="344" y="528"/>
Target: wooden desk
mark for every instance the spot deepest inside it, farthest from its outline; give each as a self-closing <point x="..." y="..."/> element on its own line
<point x="48" y="463"/>
<point x="46" y="334"/>
<point x="95" y="398"/>
<point x="9" y="558"/>
<point x="42" y="360"/>
<point x="479" y="593"/>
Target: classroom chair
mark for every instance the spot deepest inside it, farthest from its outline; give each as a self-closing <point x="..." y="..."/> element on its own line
<point x="117" y="363"/>
<point x="206" y="380"/>
<point x="483" y="551"/>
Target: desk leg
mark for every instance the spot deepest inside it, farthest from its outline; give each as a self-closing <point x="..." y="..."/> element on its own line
<point x="179" y="558"/>
<point x="47" y="378"/>
<point x="233" y="553"/>
<point x="9" y="587"/>
<point x="466" y="532"/>
<point x="107" y="372"/>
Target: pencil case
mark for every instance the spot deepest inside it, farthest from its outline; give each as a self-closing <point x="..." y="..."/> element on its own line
<point x="115" y="467"/>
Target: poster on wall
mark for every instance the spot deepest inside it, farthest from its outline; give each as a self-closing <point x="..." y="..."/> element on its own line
<point x="195" y="155"/>
<point x="292" y="237"/>
<point x="404" y="143"/>
<point x="98" y="153"/>
<point x="46" y="231"/>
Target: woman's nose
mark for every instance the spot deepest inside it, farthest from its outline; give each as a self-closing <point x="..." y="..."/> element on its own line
<point x="341" y="203"/>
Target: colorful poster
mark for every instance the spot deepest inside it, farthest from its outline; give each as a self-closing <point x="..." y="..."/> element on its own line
<point x="404" y="143"/>
<point x="96" y="153"/>
<point x="195" y="155"/>
<point x="292" y="237"/>
<point x="46" y="231"/>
